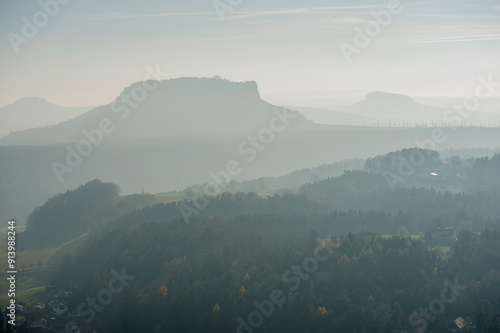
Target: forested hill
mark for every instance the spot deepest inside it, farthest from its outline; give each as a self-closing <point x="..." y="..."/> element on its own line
<point x="417" y="210"/>
<point x="354" y="202"/>
<point x="485" y="175"/>
<point x="364" y="191"/>
<point x="404" y="209"/>
<point x="75" y="212"/>
<point x="411" y="167"/>
<point x="209" y="276"/>
<point x="425" y="168"/>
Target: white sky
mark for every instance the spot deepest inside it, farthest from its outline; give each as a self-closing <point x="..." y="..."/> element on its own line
<point x="90" y="50"/>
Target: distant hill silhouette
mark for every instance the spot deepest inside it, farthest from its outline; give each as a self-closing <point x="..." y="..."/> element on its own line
<point x="176" y="108"/>
<point x="402" y="110"/>
<point x="395" y="108"/>
<point x="33" y="112"/>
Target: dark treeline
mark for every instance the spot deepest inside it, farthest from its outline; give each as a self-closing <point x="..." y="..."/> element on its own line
<point x="336" y="222"/>
<point x="226" y="205"/>
<point x="485" y="175"/>
<point x="425" y="168"/>
<point x="203" y="276"/>
<point x="363" y="191"/>
<point x="376" y="208"/>
<point x="418" y="210"/>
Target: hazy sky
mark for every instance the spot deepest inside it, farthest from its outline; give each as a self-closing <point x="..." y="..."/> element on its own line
<point x="90" y="50"/>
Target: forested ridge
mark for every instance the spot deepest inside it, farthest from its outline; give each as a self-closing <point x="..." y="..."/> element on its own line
<point x="344" y="254"/>
<point x="201" y="277"/>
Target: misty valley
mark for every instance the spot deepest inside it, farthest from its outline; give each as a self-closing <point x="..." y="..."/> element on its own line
<point x="250" y="166"/>
<point x="405" y="240"/>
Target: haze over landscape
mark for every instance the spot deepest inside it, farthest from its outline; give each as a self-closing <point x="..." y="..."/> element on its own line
<point x="250" y="166"/>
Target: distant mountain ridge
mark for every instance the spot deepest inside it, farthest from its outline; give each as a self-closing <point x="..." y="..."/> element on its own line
<point x="386" y="109"/>
<point x="394" y="107"/>
<point x="208" y="107"/>
<point x="33" y="112"/>
<point x="175" y="108"/>
<point x="381" y="97"/>
<point x="398" y="109"/>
